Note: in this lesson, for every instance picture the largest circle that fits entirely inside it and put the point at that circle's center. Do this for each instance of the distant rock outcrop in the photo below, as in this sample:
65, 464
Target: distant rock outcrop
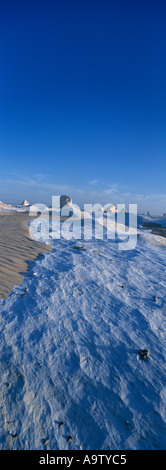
25, 203
5, 205
14, 207
65, 200
110, 208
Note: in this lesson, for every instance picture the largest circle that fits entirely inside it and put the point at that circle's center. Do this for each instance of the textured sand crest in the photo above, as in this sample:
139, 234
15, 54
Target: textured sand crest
16, 249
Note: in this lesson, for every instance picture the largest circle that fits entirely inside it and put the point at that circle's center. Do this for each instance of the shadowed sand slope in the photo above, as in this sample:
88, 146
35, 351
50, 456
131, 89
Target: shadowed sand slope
16, 249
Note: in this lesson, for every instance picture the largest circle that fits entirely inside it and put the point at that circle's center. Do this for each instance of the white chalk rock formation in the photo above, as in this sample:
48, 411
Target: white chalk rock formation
25, 203
64, 200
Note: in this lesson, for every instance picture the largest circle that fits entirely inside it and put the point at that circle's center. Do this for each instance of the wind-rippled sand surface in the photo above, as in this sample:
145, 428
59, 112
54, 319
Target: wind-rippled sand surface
16, 249
69, 341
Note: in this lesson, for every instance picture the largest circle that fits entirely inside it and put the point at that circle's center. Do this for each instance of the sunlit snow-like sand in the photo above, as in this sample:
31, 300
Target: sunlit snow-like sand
70, 336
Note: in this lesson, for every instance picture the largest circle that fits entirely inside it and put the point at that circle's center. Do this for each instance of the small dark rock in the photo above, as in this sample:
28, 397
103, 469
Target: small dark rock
61, 424
14, 436
45, 442
144, 354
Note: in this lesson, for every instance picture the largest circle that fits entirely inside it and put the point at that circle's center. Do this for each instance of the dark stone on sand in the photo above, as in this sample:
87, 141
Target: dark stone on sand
144, 354
79, 248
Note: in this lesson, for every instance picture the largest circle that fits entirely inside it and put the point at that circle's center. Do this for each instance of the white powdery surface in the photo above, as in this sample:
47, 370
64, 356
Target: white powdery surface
69, 350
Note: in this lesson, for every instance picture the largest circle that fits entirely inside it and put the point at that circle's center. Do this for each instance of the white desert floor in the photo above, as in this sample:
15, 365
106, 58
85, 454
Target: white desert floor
69, 341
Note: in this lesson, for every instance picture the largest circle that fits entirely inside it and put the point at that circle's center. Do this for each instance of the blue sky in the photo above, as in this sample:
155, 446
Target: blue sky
83, 101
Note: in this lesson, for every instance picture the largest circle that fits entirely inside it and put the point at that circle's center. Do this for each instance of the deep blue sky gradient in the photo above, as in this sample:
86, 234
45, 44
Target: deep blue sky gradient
83, 101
